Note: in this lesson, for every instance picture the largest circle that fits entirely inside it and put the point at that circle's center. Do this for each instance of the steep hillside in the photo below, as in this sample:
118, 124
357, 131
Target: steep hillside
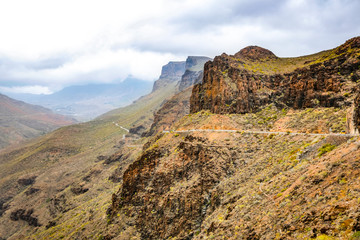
60, 185
170, 73
253, 163
20, 121
179, 105
266, 153
193, 74
214, 184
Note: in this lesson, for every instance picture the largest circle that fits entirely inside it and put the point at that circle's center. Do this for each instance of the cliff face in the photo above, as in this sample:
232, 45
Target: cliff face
254, 77
179, 105
172, 110
170, 73
244, 185
193, 74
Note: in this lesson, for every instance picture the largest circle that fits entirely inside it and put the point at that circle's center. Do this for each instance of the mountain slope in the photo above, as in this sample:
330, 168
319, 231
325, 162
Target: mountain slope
284, 171
179, 105
20, 121
255, 76
61, 184
248, 162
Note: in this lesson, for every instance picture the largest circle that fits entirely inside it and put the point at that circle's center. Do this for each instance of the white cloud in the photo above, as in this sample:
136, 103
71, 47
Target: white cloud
27, 89
63, 42
103, 66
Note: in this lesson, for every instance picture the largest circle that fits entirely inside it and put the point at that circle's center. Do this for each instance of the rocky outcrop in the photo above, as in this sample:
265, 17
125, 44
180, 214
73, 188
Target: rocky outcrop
172, 110
171, 72
179, 105
242, 83
353, 116
138, 130
25, 181
193, 74
159, 201
255, 53
25, 215
213, 185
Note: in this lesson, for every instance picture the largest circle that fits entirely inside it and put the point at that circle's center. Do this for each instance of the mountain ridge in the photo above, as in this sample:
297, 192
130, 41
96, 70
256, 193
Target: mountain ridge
231, 85
192, 184
187, 181
85, 102
21, 121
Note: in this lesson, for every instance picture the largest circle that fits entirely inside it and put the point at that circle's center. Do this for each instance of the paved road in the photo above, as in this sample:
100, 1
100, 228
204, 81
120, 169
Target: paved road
264, 132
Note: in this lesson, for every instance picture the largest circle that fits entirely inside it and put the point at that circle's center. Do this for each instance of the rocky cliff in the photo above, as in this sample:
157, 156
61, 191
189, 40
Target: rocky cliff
249, 183
278, 171
193, 74
219, 185
179, 105
170, 73
253, 77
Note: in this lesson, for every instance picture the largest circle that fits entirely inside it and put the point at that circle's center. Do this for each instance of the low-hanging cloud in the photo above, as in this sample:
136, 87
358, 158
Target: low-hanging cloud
47, 45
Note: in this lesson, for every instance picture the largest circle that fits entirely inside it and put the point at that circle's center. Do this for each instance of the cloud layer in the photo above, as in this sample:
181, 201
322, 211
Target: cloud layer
47, 45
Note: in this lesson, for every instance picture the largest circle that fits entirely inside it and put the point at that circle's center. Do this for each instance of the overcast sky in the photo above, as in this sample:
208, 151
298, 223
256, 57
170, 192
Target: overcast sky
46, 45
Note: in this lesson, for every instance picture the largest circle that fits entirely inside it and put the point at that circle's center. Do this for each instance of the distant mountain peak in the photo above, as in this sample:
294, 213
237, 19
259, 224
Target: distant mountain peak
20, 121
170, 73
192, 61
173, 70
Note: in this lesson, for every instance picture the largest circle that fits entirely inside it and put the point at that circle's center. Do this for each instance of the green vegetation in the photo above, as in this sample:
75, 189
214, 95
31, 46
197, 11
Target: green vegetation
76, 148
324, 237
355, 236
280, 65
325, 148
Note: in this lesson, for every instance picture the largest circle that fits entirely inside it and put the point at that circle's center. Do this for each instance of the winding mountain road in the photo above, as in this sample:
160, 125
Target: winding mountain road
263, 132
116, 124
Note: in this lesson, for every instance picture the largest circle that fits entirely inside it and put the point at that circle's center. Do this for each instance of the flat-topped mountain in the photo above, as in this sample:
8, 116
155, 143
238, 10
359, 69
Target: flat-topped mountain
170, 73
179, 105
20, 121
193, 73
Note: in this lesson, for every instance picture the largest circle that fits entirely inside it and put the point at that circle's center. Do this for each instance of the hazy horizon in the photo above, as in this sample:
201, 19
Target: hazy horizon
46, 46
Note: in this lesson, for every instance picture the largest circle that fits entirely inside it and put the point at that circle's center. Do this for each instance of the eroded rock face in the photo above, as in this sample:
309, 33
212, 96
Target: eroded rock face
171, 72
356, 114
193, 74
25, 215
231, 86
201, 185
179, 105
151, 196
173, 110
